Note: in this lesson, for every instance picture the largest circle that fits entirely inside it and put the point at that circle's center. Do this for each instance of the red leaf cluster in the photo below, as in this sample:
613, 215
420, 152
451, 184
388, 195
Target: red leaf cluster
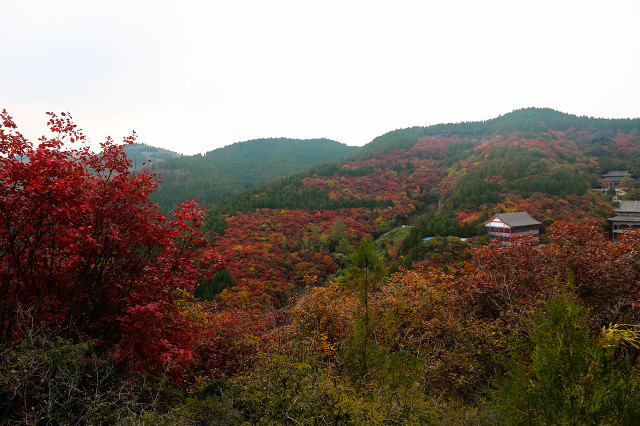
84, 250
517, 276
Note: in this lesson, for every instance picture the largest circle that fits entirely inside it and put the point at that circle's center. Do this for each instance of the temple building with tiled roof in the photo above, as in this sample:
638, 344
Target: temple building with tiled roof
628, 218
504, 226
614, 177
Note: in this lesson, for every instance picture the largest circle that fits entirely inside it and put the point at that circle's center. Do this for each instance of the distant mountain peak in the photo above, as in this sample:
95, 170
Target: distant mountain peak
140, 153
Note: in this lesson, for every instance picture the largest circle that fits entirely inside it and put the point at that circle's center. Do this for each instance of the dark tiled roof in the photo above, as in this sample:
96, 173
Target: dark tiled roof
617, 173
625, 219
629, 207
518, 219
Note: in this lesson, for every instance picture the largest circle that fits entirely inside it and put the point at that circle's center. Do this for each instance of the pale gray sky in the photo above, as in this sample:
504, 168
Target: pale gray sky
192, 76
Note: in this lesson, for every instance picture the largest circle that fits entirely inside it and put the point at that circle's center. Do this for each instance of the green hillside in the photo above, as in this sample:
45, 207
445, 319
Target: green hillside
528, 120
445, 179
524, 167
144, 155
220, 173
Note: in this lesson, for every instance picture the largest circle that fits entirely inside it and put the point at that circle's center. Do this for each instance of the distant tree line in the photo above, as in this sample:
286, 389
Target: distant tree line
215, 176
531, 121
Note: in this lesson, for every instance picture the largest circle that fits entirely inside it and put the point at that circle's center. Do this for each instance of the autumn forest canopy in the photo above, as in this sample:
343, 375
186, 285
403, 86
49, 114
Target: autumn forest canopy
316, 283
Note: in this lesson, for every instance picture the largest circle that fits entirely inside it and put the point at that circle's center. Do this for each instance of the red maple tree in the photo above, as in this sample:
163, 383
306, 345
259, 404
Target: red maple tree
84, 252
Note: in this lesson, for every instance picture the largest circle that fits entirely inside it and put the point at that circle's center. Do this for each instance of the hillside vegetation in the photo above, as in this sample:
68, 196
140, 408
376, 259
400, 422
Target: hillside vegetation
142, 155
446, 179
218, 174
110, 313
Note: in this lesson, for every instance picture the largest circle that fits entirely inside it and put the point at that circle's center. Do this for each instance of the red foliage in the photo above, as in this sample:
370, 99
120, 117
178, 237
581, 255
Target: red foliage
519, 275
84, 250
271, 252
432, 147
384, 183
626, 143
587, 209
234, 337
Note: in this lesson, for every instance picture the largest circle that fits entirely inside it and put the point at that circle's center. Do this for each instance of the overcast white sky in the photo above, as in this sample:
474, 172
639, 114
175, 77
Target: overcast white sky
192, 76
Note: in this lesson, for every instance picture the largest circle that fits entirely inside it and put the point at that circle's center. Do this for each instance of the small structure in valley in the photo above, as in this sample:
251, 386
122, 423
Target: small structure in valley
504, 226
628, 218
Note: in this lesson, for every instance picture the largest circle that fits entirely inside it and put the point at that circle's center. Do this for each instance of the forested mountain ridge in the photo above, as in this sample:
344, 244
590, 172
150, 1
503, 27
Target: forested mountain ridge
447, 179
218, 174
143, 155
529, 120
